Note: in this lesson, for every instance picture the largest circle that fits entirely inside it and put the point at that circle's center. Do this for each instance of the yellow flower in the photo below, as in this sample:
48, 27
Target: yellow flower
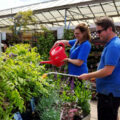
44, 76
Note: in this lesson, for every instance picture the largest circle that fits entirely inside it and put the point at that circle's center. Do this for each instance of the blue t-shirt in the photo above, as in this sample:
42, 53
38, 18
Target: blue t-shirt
110, 56
80, 51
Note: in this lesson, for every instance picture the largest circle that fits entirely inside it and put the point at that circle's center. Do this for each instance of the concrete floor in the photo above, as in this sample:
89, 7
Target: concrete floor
93, 105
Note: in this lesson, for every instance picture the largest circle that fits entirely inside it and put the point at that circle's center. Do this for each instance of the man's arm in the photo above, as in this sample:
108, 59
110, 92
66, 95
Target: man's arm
106, 71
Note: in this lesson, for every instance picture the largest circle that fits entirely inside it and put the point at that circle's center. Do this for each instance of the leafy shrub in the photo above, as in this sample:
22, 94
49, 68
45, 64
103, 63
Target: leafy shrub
45, 42
20, 79
68, 34
81, 95
49, 106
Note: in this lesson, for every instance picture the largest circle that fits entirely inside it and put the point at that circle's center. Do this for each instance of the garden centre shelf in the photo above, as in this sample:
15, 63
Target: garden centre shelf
94, 56
93, 61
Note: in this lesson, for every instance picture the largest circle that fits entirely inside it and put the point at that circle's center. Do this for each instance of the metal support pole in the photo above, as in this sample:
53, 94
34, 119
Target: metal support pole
65, 17
69, 25
0, 44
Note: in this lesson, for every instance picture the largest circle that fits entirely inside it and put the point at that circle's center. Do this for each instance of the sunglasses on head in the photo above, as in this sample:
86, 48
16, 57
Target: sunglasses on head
99, 31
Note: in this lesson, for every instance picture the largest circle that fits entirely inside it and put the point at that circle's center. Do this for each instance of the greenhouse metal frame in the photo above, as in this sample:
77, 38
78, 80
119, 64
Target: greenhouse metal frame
65, 13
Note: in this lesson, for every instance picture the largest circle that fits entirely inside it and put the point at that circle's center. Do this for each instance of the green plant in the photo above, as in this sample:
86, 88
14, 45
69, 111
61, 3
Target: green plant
81, 95
68, 34
45, 42
21, 20
20, 79
49, 106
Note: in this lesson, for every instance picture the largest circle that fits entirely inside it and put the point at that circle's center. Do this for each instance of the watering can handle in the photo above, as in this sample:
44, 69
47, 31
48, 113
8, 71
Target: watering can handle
58, 44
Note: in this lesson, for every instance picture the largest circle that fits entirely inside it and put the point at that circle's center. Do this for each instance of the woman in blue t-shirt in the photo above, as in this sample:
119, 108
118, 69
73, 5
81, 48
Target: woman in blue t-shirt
80, 49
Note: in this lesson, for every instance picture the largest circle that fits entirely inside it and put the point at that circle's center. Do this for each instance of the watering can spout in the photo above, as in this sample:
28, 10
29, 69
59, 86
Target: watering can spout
44, 62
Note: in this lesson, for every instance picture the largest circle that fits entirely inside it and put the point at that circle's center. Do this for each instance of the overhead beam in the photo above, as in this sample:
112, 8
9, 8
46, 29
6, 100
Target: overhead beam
52, 22
71, 5
60, 7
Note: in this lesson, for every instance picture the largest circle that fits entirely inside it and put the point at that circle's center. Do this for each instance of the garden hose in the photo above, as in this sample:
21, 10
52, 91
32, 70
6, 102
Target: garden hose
57, 73
68, 75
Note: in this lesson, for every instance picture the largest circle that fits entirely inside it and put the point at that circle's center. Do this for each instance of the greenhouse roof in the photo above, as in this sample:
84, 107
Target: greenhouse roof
64, 12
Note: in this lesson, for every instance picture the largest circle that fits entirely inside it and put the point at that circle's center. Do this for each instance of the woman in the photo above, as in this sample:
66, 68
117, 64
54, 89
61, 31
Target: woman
80, 49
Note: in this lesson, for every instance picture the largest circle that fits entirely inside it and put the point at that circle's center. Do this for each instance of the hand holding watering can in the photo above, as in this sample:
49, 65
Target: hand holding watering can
57, 55
65, 43
61, 43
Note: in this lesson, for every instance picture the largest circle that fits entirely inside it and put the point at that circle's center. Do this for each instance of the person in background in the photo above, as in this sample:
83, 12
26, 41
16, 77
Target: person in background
80, 49
108, 72
4, 47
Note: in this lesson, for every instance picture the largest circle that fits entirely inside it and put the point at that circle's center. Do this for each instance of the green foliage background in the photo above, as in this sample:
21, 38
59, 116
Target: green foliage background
21, 21
68, 34
46, 40
20, 79
49, 106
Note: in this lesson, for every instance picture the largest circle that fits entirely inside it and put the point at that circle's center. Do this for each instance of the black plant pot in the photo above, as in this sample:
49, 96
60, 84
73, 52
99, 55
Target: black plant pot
29, 115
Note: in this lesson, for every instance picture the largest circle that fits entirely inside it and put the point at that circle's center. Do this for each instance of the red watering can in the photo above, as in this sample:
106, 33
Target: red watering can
57, 55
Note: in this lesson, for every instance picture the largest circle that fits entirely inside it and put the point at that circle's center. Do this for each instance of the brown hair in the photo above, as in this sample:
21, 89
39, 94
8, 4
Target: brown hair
84, 29
105, 22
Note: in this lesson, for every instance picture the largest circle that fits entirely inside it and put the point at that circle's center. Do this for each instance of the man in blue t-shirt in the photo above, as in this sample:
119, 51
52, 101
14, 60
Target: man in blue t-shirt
108, 72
